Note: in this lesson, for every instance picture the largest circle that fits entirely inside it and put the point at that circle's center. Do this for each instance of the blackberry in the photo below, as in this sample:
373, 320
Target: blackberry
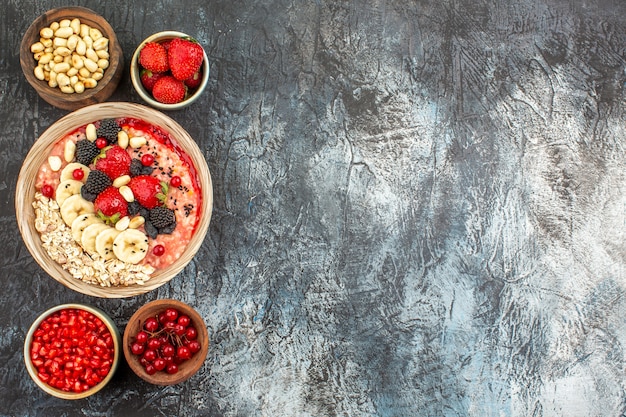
87, 195
137, 168
96, 182
108, 129
168, 229
133, 208
162, 217
150, 229
86, 151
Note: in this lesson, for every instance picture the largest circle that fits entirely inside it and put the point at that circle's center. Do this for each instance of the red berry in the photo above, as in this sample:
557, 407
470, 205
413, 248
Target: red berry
168, 350
137, 348
179, 329
47, 190
101, 143
171, 314
154, 343
194, 346
172, 368
169, 90
142, 337
162, 318
183, 352
150, 369
78, 174
151, 325
176, 181
148, 78
147, 190
191, 333
159, 364
185, 57
158, 250
195, 80
150, 355
184, 320
153, 56
147, 159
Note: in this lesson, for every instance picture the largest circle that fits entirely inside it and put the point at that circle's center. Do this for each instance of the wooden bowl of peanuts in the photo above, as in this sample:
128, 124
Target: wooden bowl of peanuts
71, 57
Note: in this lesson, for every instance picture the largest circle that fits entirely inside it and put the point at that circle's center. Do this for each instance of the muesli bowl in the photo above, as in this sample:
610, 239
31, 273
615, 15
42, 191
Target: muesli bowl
135, 259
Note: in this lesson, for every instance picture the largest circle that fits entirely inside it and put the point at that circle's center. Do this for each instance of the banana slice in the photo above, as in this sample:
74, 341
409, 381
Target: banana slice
74, 206
67, 189
131, 246
80, 224
68, 171
91, 232
104, 243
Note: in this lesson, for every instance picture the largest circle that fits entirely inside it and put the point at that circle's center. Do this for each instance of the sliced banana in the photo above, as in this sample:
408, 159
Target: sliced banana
81, 222
131, 246
104, 243
91, 232
67, 189
68, 171
74, 206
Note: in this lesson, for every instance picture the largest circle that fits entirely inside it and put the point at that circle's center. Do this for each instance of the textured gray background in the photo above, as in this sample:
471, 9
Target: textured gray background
420, 210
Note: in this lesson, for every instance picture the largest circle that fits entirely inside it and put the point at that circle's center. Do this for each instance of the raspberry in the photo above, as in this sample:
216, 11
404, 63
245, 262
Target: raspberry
97, 181
86, 151
108, 129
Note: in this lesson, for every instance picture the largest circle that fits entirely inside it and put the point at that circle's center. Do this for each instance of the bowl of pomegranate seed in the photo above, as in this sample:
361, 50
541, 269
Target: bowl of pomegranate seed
169, 70
71, 351
165, 342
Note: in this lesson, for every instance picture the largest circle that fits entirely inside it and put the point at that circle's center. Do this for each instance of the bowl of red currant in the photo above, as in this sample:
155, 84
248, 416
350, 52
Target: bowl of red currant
165, 342
71, 351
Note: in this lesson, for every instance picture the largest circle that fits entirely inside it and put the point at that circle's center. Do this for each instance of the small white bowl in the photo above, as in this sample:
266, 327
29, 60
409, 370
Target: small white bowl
135, 71
32, 370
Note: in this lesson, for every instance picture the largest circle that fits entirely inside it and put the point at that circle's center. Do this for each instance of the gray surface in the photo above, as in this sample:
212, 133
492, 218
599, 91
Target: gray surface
420, 209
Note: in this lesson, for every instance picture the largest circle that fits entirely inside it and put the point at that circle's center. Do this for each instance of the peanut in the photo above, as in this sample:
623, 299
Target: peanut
90, 132
70, 55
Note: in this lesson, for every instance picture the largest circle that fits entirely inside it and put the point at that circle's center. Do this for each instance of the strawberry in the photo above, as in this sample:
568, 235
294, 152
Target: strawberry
148, 190
185, 57
110, 205
113, 161
153, 56
169, 90
195, 80
149, 78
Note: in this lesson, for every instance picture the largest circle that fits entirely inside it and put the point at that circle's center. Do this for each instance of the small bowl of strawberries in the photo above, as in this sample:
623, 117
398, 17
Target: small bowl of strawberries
169, 70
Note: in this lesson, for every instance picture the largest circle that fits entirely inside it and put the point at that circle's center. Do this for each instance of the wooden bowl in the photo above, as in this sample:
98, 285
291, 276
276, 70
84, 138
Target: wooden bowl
25, 192
187, 368
135, 71
32, 369
54, 96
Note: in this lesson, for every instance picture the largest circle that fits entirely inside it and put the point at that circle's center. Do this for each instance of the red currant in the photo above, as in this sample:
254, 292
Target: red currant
78, 174
147, 159
183, 352
172, 368
179, 329
47, 190
159, 364
158, 250
176, 181
137, 348
162, 317
142, 337
168, 350
150, 355
184, 320
171, 314
151, 325
150, 369
101, 143
194, 346
154, 343
191, 333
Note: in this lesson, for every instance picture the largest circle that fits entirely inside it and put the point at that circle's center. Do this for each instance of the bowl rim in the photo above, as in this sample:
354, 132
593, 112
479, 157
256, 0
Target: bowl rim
145, 95
26, 188
199, 357
116, 355
106, 86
